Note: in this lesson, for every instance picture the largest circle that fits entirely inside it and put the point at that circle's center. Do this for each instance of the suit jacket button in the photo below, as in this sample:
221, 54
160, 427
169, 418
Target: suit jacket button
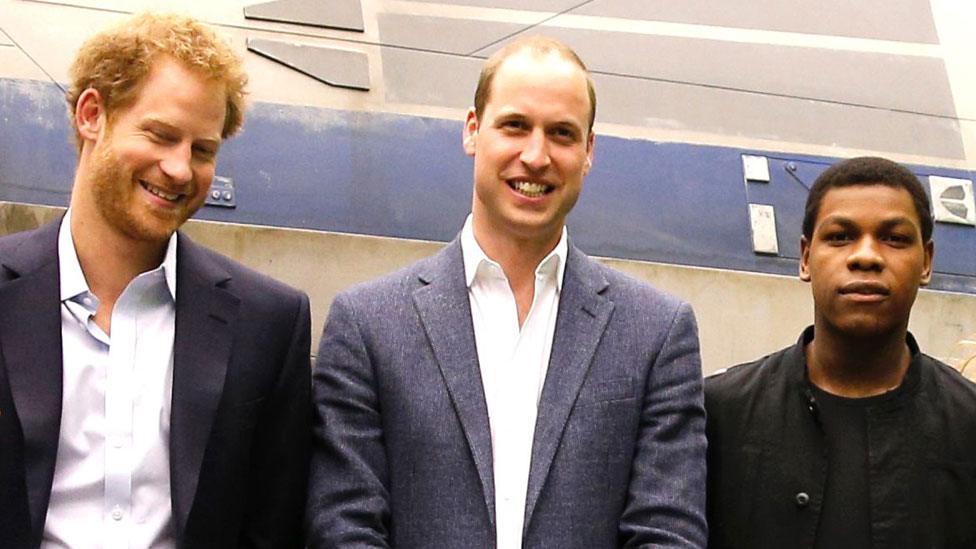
802, 499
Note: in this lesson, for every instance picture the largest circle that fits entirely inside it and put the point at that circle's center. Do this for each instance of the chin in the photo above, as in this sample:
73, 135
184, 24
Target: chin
866, 327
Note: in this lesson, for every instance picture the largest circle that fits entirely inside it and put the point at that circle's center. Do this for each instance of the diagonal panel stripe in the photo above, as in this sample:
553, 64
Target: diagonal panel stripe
335, 67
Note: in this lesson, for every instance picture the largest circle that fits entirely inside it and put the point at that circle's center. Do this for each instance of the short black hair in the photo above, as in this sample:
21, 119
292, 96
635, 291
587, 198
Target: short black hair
868, 170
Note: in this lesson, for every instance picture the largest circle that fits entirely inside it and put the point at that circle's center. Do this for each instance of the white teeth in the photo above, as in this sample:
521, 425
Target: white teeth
530, 189
159, 192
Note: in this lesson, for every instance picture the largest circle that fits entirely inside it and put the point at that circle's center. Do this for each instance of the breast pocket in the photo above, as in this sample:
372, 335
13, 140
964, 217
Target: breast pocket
606, 391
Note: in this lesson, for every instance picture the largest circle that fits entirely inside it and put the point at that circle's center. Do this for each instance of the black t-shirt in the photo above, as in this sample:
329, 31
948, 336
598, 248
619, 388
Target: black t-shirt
845, 520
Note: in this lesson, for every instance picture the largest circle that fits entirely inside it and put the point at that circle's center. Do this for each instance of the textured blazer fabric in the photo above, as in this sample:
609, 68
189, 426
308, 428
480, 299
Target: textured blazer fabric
402, 453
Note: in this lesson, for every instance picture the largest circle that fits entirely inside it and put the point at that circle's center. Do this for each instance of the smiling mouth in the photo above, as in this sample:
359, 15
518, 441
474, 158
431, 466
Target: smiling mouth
530, 189
169, 197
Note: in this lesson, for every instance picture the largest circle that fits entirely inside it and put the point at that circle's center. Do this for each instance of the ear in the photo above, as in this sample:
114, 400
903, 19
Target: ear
927, 266
470, 132
90, 116
590, 142
804, 259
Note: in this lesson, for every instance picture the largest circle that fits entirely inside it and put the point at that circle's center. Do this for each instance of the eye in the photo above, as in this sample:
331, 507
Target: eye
161, 136
565, 133
899, 240
204, 152
838, 237
513, 124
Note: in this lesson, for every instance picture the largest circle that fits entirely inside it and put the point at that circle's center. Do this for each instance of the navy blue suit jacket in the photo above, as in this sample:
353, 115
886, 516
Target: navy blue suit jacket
240, 415
402, 453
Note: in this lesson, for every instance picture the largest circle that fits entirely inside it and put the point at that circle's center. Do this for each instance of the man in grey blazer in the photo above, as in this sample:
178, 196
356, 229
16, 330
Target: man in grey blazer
509, 391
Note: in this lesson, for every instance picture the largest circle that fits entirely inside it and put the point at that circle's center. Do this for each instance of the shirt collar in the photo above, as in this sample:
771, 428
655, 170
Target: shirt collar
475, 258
73, 282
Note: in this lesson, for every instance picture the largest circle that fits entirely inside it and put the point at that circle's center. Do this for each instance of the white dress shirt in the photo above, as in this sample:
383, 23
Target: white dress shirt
111, 484
513, 366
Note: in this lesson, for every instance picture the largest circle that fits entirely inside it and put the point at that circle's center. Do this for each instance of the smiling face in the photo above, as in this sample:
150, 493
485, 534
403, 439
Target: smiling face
147, 167
531, 149
866, 260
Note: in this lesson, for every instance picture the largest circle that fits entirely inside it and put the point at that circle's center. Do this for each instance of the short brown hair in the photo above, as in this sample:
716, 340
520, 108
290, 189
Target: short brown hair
868, 170
538, 45
116, 61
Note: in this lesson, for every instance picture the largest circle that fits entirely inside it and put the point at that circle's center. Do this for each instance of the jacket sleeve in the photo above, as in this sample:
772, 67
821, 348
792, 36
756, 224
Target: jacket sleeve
666, 497
348, 501
279, 465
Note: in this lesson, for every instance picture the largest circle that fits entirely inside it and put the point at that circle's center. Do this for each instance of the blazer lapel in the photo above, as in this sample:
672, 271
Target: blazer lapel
445, 313
580, 322
30, 342
206, 313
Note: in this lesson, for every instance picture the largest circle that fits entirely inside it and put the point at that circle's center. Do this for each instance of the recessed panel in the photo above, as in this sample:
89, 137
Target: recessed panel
811, 73
432, 79
441, 34
336, 67
333, 14
534, 5
680, 107
904, 21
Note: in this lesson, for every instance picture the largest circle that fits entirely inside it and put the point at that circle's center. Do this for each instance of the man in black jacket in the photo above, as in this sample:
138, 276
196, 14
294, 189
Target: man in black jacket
851, 437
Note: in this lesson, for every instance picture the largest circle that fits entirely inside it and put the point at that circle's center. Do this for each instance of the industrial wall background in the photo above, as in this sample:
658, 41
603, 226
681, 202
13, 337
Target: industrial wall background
713, 120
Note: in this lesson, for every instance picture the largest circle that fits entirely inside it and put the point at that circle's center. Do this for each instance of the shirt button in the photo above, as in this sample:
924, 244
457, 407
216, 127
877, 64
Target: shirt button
117, 513
802, 499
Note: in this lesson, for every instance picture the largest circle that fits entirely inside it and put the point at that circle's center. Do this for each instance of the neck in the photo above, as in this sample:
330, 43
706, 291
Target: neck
519, 258
857, 367
109, 259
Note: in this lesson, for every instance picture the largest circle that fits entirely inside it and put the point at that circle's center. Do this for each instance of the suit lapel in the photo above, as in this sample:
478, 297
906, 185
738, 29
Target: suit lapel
205, 316
445, 312
580, 322
30, 342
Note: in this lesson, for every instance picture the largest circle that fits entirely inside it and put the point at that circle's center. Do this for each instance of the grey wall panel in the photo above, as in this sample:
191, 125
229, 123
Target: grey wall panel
458, 36
433, 79
521, 5
335, 14
333, 66
441, 80
637, 102
832, 75
900, 20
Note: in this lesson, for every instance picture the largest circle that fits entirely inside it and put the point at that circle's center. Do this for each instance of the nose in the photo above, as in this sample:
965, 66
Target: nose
535, 153
866, 256
176, 164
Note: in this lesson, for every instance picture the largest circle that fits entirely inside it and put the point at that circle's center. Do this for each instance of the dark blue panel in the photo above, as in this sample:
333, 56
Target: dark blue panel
37, 155
404, 176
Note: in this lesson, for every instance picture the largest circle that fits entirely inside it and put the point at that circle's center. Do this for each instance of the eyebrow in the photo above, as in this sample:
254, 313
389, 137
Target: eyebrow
519, 115
849, 223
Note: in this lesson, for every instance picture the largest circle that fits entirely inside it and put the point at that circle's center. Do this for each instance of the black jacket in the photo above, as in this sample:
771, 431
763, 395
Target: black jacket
767, 463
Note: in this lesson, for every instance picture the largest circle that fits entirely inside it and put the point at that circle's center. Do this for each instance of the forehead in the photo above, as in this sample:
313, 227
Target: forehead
171, 89
867, 204
529, 71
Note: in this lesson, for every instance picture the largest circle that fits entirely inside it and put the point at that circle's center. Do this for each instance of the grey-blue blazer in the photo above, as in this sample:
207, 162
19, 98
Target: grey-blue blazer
402, 447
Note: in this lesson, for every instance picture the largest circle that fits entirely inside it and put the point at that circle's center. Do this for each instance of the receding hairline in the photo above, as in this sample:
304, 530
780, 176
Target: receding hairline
538, 47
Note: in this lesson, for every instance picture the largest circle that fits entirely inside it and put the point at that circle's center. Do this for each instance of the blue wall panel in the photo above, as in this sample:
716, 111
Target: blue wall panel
404, 176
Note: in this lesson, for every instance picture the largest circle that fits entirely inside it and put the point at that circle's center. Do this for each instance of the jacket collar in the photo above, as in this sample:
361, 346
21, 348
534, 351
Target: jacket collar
206, 317
445, 312
30, 336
